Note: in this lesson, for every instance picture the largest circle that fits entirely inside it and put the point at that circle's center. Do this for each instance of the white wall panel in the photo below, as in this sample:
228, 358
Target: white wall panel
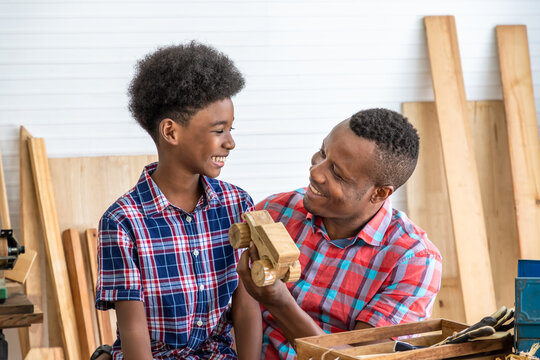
65, 66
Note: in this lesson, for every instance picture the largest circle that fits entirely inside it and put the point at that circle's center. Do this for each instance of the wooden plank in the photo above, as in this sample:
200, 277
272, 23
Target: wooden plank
55, 353
427, 199
79, 288
22, 267
54, 249
93, 184
5, 220
488, 123
106, 334
20, 320
460, 168
32, 239
517, 87
16, 302
429, 206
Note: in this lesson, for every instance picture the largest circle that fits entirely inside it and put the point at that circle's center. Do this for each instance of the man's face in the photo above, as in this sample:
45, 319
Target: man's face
206, 140
340, 187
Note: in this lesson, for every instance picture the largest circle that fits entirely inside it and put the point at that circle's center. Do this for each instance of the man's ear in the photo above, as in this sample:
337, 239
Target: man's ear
169, 131
381, 193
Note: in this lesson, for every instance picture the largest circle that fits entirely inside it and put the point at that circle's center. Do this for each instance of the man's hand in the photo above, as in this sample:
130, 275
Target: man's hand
291, 319
270, 296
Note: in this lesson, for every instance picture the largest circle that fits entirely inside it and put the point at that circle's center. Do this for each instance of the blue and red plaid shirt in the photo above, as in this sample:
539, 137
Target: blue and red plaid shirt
388, 274
179, 264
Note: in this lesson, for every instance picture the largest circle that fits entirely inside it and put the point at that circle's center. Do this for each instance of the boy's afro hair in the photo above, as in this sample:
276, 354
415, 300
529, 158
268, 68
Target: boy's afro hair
176, 81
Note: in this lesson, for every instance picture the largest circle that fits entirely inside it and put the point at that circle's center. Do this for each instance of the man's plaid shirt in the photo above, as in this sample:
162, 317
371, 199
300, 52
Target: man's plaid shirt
181, 265
388, 274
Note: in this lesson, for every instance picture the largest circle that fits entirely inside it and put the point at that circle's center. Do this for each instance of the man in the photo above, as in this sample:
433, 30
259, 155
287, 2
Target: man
363, 263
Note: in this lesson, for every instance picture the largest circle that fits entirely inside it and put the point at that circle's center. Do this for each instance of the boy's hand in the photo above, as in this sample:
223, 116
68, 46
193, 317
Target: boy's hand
271, 295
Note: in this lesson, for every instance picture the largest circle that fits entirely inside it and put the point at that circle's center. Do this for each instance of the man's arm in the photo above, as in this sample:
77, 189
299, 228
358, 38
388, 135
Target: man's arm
133, 330
292, 320
247, 324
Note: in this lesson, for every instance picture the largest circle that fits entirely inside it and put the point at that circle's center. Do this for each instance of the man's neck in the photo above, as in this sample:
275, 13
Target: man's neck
348, 228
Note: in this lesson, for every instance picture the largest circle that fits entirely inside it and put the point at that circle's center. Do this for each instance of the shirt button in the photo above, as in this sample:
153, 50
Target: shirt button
196, 252
199, 323
201, 287
188, 219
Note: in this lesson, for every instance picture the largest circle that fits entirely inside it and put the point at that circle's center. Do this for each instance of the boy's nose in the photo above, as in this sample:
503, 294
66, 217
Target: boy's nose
229, 143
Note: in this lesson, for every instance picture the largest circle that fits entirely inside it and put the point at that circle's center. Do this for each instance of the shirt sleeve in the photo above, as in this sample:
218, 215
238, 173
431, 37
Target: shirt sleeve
118, 274
408, 294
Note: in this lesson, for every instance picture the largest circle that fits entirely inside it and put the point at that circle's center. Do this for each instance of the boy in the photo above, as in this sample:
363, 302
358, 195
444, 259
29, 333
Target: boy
165, 263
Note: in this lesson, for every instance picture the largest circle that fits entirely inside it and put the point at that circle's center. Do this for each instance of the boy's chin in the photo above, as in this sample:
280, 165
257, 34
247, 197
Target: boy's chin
212, 174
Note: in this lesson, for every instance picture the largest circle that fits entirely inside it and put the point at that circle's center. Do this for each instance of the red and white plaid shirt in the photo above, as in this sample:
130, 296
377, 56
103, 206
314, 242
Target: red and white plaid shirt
181, 265
388, 274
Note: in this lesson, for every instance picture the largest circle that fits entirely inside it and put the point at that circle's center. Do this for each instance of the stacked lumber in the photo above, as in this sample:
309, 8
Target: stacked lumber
60, 200
476, 187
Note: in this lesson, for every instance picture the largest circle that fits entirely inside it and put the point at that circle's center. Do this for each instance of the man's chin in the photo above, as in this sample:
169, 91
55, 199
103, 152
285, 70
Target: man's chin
309, 206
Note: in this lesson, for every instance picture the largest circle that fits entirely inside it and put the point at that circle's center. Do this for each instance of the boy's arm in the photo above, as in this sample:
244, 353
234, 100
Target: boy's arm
292, 320
133, 329
247, 324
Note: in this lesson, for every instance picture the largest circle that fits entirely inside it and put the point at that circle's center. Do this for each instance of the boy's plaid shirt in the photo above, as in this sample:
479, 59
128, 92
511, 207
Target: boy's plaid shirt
388, 274
181, 265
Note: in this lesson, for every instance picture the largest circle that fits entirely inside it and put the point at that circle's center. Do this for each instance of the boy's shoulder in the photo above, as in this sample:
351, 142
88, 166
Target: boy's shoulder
129, 203
225, 190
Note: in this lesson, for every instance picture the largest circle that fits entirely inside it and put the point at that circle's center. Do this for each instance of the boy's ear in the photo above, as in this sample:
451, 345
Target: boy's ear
168, 131
381, 193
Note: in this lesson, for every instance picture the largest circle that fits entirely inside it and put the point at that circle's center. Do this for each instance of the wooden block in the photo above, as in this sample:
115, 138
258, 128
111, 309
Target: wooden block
32, 239
16, 302
79, 288
54, 353
517, 88
282, 249
106, 334
54, 248
22, 267
460, 168
427, 200
20, 320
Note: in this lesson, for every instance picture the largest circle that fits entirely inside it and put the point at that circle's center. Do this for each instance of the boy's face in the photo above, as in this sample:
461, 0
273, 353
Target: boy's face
206, 140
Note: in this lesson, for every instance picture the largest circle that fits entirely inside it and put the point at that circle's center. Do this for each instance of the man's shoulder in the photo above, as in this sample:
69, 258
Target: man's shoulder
409, 236
285, 205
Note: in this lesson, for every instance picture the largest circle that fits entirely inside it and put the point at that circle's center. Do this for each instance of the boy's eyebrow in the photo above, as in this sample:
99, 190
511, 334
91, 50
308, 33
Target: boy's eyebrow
221, 122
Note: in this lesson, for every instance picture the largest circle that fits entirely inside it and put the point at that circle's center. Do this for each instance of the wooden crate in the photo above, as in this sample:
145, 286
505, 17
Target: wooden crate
353, 345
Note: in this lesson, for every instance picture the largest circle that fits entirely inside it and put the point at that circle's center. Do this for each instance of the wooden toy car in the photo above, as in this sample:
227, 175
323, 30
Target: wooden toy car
277, 251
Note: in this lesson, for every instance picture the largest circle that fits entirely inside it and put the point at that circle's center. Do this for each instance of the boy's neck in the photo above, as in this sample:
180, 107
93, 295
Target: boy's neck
182, 189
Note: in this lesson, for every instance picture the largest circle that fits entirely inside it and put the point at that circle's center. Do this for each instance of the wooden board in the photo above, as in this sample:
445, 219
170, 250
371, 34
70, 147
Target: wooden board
427, 200
16, 302
80, 290
92, 185
32, 239
55, 353
460, 168
523, 139
106, 335
5, 220
54, 249
22, 266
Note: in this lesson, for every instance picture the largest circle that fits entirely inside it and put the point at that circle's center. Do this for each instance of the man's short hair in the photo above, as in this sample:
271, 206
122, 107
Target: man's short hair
397, 144
177, 81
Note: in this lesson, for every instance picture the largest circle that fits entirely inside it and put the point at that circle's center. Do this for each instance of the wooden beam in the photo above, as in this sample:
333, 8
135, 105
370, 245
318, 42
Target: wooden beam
55, 353
460, 168
32, 239
54, 249
517, 88
79, 288
106, 334
5, 220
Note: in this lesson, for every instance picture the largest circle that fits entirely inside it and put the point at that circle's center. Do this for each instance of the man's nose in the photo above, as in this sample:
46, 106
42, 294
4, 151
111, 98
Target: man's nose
317, 171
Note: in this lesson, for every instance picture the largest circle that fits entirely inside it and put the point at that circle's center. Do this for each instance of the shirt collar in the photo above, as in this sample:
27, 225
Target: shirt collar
153, 201
372, 233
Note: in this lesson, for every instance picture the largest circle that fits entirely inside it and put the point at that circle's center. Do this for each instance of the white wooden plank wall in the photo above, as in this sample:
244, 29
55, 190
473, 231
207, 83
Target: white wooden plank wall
65, 66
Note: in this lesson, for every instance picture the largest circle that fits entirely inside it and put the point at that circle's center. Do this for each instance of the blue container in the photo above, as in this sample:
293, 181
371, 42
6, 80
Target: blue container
527, 315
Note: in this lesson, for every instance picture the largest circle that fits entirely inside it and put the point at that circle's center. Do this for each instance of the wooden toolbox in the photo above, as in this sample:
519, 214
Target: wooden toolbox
353, 345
